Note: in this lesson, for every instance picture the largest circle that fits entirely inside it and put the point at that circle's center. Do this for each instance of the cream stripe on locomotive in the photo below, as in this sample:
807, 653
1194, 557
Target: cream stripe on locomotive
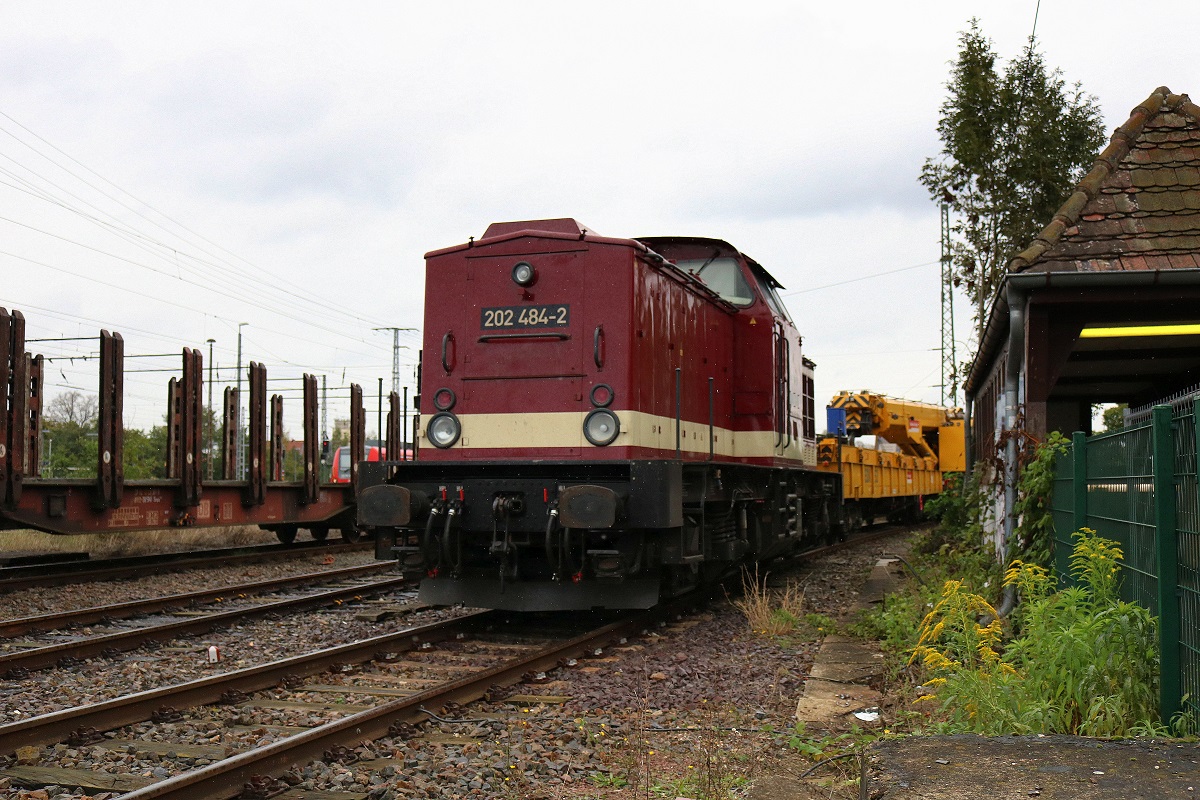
638, 429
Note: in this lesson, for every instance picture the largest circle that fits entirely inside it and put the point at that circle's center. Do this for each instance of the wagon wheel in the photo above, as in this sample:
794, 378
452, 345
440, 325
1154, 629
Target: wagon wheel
319, 534
286, 534
351, 533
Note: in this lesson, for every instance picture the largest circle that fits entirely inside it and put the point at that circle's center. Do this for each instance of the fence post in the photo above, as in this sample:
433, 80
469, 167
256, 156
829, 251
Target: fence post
1167, 551
1078, 482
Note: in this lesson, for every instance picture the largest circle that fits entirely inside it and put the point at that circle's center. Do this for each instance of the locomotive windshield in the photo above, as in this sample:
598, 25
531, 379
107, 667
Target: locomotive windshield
722, 275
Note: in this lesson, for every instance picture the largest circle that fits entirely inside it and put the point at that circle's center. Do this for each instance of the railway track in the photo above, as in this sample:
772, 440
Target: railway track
89, 644
26, 576
153, 605
376, 688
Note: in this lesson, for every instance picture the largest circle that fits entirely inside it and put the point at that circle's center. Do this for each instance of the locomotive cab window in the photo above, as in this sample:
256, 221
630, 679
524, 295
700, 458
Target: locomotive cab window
722, 275
773, 298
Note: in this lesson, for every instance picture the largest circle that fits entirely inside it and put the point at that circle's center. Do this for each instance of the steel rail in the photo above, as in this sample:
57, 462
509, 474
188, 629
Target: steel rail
59, 573
87, 616
41, 657
226, 778
56, 726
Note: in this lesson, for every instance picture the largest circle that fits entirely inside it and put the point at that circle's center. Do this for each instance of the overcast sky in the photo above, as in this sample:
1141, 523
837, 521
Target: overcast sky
169, 170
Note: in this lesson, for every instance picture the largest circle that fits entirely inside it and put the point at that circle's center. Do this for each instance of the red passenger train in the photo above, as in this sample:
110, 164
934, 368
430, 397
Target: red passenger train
605, 421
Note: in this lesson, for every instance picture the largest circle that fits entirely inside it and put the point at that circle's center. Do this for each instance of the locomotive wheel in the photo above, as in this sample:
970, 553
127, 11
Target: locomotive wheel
286, 534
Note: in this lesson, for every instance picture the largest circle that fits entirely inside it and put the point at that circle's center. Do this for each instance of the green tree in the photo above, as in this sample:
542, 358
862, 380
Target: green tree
146, 453
1014, 145
69, 436
1114, 417
68, 449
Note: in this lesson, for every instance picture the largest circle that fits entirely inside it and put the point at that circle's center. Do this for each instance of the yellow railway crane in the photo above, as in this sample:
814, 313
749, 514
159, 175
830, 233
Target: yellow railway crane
892, 454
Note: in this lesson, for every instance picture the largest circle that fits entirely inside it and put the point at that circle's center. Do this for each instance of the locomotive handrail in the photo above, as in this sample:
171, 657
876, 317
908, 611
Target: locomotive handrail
787, 386
492, 337
597, 337
778, 353
449, 337
678, 411
710, 418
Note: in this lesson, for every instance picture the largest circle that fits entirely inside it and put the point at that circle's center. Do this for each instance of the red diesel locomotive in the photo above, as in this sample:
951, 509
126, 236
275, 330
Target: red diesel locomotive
613, 420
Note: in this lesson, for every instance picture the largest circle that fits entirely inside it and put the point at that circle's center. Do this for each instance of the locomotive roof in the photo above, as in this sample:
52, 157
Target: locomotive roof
568, 228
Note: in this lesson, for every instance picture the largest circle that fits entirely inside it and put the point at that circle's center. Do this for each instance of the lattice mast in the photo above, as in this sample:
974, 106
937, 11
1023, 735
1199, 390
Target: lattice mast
949, 357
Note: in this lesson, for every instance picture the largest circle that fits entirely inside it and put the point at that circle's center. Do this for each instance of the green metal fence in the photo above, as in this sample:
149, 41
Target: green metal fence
1139, 487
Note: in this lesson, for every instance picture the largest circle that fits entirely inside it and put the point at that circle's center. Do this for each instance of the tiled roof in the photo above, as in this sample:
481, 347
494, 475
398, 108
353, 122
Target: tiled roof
1139, 207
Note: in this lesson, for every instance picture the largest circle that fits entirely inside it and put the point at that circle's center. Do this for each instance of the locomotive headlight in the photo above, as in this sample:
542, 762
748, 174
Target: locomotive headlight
443, 430
601, 427
523, 273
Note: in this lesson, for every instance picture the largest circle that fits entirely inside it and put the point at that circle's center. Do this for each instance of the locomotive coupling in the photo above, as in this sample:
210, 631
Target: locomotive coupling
508, 505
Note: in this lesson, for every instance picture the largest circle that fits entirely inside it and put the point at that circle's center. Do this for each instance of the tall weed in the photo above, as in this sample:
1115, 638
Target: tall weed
1084, 662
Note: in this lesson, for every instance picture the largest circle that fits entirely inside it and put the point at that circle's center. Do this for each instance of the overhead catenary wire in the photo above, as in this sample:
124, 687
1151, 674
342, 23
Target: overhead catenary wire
229, 269
861, 278
199, 285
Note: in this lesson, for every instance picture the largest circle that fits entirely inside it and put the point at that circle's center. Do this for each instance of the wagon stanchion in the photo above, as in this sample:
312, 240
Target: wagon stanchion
191, 439
33, 431
393, 441
311, 442
276, 437
110, 474
17, 457
18, 422
358, 425
256, 481
229, 433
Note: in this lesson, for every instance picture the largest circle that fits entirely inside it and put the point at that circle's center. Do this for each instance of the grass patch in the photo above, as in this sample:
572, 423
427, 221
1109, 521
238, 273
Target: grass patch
115, 544
770, 612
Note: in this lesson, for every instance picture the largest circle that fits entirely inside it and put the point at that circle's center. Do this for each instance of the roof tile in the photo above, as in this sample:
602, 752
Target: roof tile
1143, 177
1172, 201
